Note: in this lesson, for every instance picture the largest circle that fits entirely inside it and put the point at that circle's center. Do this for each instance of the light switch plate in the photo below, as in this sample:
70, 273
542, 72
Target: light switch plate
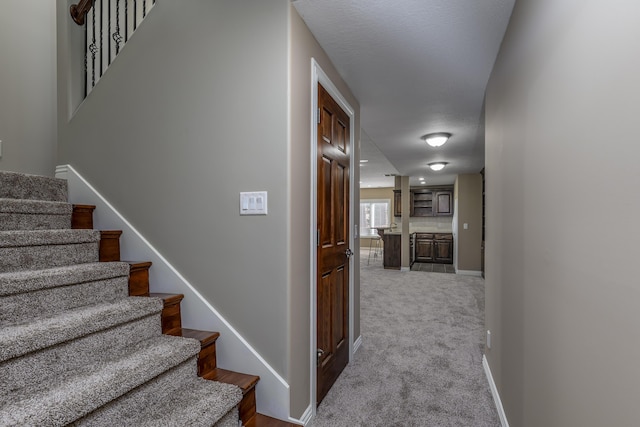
253, 203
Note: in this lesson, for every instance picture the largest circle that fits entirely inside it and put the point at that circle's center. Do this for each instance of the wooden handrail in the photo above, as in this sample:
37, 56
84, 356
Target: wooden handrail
80, 10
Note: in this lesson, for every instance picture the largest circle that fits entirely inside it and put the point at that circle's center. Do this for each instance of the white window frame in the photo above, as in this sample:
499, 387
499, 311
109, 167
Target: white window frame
370, 201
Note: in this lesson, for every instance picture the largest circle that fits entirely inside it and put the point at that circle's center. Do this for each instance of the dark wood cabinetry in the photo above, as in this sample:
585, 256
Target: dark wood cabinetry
443, 203
434, 247
422, 203
426, 202
443, 248
397, 202
424, 247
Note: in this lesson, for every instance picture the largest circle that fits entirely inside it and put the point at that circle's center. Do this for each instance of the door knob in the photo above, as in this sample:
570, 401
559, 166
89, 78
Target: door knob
320, 352
348, 253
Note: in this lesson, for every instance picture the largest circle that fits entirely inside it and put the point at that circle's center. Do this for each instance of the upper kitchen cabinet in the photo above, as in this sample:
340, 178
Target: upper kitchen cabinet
397, 202
432, 202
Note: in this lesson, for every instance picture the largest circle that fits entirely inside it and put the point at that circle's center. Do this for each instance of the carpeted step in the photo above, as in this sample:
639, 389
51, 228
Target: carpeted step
23, 186
38, 369
176, 398
70, 398
42, 333
27, 295
18, 214
40, 249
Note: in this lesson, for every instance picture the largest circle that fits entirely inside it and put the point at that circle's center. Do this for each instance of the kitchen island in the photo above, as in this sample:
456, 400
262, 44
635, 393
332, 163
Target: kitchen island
392, 244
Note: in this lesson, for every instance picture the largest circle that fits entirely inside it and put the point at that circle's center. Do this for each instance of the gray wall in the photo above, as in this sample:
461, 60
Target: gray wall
562, 200
28, 86
304, 47
194, 110
468, 195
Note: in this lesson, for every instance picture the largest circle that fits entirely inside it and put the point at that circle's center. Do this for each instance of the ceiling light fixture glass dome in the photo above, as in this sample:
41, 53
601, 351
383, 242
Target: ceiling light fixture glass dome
437, 166
437, 139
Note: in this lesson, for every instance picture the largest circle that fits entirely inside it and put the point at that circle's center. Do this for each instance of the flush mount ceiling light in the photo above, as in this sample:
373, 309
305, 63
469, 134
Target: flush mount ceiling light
436, 166
436, 139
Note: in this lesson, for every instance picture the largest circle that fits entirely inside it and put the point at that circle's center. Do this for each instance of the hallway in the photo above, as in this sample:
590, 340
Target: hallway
420, 362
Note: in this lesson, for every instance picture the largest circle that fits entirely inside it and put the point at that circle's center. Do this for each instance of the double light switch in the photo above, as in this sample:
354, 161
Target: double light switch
253, 203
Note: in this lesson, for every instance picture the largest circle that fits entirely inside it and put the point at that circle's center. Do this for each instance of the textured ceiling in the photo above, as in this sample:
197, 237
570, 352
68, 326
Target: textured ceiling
416, 66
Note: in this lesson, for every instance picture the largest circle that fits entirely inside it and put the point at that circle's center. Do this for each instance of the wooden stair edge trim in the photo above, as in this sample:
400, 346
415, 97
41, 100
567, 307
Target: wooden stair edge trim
206, 338
169, 299
246, 382
139, 265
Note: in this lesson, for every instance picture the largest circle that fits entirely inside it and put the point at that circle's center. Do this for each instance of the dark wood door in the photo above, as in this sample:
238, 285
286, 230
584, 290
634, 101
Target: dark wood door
333, 242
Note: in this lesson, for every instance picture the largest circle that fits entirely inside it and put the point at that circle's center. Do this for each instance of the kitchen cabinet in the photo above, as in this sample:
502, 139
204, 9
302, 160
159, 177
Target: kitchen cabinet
392, 244
421, 203
397, 202
443, 248
434, 247
426, 202
431, 202
444, 203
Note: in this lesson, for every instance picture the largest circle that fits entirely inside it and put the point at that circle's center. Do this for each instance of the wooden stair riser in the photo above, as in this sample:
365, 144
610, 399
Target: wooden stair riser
171, 317
139, 279
172, 323
82, 217
110, 245
247, 407
207, 356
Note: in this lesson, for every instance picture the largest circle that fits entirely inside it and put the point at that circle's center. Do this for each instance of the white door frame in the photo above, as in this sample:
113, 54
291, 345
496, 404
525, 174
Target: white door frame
319, 76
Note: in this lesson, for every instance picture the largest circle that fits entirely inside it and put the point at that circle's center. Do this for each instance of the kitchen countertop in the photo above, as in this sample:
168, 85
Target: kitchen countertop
420, 230
433, 230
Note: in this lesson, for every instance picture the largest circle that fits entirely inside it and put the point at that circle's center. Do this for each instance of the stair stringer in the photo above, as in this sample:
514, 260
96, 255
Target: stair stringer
233, 352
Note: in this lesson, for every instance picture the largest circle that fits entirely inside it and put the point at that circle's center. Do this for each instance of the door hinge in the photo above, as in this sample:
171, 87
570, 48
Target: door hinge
318, 115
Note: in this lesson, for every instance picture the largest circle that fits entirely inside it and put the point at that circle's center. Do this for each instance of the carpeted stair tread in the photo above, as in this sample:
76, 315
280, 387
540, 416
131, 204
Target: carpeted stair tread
41, 333
20, 238
39, 369
176, 398
35, 207
15, 185
42, 293
31, 280
39, 249
74, 397
18, 214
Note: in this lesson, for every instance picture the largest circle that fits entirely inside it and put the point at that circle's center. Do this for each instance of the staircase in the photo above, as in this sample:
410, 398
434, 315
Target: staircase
82, 339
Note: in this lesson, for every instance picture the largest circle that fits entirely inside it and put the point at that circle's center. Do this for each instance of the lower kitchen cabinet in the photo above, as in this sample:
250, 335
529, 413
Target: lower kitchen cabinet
434, 247
443, 248
424, 247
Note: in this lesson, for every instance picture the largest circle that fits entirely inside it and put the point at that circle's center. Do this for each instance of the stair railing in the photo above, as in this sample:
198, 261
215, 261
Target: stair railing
108, 26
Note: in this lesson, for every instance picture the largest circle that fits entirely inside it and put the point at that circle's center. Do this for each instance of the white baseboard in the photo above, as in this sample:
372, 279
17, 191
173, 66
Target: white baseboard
357, 344
474, 273
494, 392
233, 352
305, 419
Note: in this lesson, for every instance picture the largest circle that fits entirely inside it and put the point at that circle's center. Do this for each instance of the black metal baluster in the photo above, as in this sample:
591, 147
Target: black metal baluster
93, 48
126, 21
86, 48
109, 32
135, 14
117, 38
101, 42
144, 8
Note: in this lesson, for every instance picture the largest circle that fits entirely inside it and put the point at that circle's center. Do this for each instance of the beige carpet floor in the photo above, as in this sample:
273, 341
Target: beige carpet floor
420, 362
